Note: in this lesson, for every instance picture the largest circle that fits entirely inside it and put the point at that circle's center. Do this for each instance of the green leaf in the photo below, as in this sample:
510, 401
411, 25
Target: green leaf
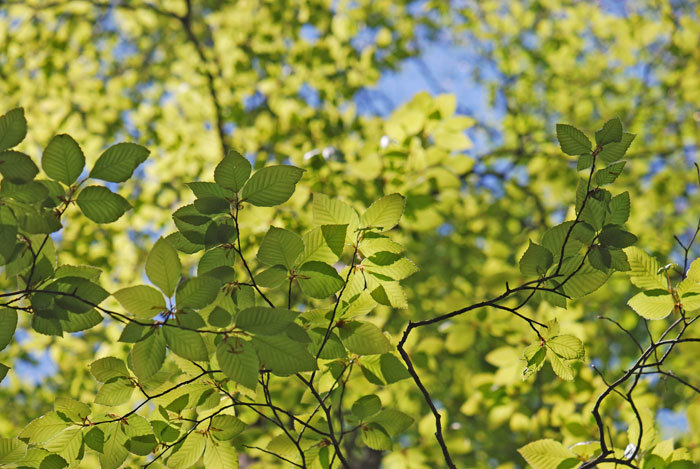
220, 456
586, 280
8, 324
53, 461
3, 371
101, 205
572, 141
272, 277
619, 209
366, 406
189, 453
267, 321
17, 167
282, 355
374, 436
12, 450
280, 247
652, 306
118, 162
185, 343
115, 391
616, 237
611, 132
147, 356
545, 454
107, 368
75, 411
214, 258
600, 258
554, 238
387, 264
142, 301
197, 292
212, 205
63, 160
319, 280
224, 427
534, 355
585, 161
141, 445
609, 173
616, 151
13, 128
163, 267
535, 261
393, 421
238, 361
271, 186
324, 244
233, 171
644, 270
327, 211
385, 213
44, 428
364, 338
566, 346
649, 434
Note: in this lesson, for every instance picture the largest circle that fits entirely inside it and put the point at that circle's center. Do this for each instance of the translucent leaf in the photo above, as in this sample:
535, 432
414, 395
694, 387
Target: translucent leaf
220, 456
142, 301
44, 428
282, 355
652, 306
572, 141
393, 421
72, 409
118, 162
649, 435
189, 453
233, 171
560, 366
644, 270
385, 213
366, 406
107, 368
546, 454
13, 128
238, 361
115, 391
280, 246
63, 159
324, 244
163, 267
185, 343
327, 211
374, 436
271, 186
12, 450
319, 280
363, 338
197, 292
224, 427
535, 261
147, 356
263, 320
567, 346
101, 205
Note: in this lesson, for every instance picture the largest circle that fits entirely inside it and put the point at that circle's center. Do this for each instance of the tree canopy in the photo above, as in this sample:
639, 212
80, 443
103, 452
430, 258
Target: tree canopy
223, 244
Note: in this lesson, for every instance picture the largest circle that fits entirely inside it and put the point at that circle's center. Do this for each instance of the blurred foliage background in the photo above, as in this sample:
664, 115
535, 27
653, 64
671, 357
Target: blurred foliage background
451, 103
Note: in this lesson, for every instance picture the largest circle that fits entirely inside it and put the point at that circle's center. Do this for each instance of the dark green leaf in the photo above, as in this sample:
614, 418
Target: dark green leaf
611, 132
608, 174
616, 151
63, 160
267, 321
599, 258
616, 237
197, 292
282, 355
17, 167
572, 141
319, 280
233, 171
13, 128
101, 205
118, 162
535, 261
